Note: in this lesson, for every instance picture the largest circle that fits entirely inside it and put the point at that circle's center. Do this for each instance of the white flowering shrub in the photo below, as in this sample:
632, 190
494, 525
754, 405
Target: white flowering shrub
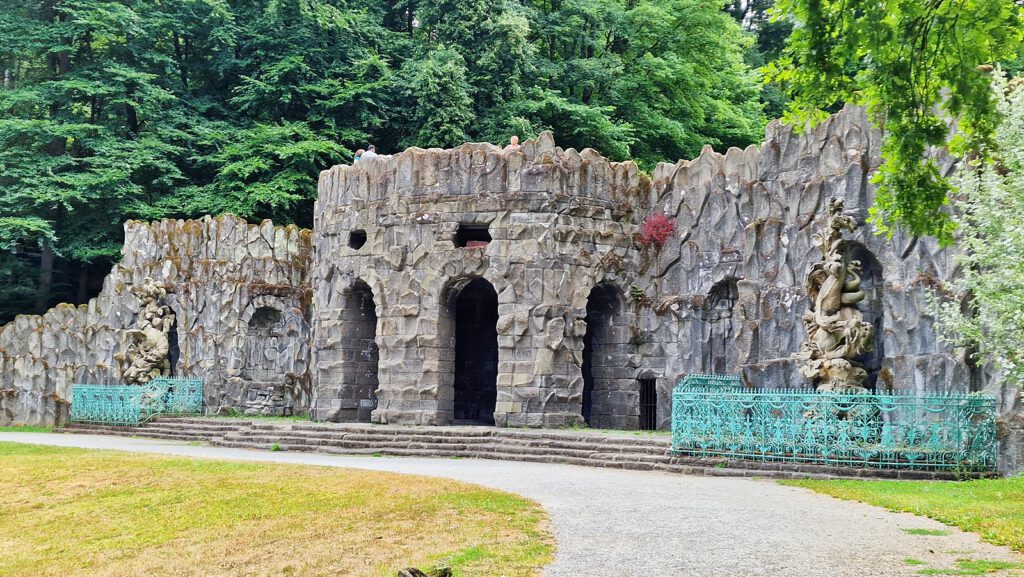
984, 306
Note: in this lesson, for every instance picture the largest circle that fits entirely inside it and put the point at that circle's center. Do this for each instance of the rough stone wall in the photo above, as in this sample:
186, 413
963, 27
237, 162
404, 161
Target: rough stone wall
219, 272
561, 222
360, 319
724, 294
748, 216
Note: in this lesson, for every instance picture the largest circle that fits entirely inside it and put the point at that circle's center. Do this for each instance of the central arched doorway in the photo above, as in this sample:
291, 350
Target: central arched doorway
475, 311
601, 404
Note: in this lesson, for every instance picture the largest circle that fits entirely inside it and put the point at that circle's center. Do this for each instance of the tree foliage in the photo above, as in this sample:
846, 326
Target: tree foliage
119, 109
915, 64
981, 308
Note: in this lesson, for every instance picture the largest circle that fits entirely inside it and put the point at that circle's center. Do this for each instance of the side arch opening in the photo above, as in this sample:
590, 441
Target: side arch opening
360, 353
872, 282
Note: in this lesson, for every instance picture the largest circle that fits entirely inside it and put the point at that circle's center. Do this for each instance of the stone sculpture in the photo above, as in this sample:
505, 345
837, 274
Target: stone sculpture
145, 356
836, 331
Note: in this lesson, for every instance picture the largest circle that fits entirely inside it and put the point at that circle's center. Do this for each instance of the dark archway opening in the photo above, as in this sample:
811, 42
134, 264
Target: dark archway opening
602, 307
476, 353
648, 404
872, 282
361, 354
717, 314
173, 347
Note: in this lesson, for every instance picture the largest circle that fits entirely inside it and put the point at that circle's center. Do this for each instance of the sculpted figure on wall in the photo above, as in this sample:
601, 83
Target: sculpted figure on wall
145, 356
836, 331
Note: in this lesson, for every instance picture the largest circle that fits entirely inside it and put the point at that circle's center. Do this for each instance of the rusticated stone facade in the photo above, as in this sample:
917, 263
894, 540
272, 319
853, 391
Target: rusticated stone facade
484, 285
584, 313
219, 273
523, 235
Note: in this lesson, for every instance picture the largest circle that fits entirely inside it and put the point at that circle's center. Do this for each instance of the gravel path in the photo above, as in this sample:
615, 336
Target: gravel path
617, 523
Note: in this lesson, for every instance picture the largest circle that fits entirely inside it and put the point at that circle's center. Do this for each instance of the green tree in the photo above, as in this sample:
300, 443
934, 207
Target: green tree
914, 64
981, 307
87, 132
668, 75
770, 35
440, 108
119, 109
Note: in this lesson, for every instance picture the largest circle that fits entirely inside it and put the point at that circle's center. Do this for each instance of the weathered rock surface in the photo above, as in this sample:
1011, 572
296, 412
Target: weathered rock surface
568, 315
218, 272
723, 295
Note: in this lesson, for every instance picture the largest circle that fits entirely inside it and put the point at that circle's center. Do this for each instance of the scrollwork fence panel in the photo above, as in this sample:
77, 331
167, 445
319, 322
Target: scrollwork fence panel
133, 405
884, 430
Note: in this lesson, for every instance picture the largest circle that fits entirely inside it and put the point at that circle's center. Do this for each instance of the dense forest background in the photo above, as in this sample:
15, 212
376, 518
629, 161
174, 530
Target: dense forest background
144, 109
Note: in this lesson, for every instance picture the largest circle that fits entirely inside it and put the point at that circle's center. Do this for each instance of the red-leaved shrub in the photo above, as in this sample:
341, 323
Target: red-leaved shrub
656, 229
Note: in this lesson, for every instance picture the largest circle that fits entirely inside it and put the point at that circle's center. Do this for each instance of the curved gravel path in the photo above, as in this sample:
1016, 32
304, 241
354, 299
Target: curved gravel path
618, 523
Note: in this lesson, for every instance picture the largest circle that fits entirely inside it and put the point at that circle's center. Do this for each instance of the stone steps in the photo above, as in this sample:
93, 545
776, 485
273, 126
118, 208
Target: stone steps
442, 442
481, 452
157, 429
592, 449
448, 446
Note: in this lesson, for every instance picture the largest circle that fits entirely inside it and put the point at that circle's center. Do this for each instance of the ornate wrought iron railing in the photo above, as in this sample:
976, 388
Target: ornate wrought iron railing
133, 405
710, 381
883, 430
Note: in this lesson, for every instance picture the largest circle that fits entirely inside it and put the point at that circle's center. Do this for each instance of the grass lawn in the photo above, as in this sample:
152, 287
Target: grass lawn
993, 508
25, 429
106, 513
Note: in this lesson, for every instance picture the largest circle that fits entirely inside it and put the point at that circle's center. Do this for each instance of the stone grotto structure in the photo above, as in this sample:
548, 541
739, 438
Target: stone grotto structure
518, 288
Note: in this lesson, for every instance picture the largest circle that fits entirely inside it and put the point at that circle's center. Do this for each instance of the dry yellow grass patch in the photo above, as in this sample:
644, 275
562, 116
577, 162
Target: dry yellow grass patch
71, 512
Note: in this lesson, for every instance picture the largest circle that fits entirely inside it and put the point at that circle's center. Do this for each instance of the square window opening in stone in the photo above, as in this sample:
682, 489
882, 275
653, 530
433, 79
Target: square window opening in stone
472, 236
356, 239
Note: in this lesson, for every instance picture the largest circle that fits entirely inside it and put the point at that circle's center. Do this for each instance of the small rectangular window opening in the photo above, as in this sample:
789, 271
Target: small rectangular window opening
472, 236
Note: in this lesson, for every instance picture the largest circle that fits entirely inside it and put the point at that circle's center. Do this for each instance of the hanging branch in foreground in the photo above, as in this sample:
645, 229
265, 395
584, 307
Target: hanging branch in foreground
914, 64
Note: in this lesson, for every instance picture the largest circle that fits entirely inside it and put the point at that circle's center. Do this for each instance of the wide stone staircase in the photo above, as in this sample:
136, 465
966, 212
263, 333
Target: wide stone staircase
623, 450
171, 428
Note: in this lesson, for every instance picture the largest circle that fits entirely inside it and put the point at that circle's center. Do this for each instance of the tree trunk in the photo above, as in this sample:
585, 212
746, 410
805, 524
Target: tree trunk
83, 283
45, 278
179, 55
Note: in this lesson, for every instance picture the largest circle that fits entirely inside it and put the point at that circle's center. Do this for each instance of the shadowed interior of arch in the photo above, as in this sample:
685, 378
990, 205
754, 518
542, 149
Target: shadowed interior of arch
718, 352
602, 306
173, 345
266, 329
476, 353
872, 307
361, 353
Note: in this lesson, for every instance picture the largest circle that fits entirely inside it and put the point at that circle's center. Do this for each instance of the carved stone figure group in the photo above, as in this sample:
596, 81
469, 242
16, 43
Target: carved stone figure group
146, 354
837, 333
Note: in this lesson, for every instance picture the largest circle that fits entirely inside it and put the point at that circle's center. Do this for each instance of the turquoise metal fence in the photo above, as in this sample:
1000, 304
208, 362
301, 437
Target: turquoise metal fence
710, 381
882, 430
132, 405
